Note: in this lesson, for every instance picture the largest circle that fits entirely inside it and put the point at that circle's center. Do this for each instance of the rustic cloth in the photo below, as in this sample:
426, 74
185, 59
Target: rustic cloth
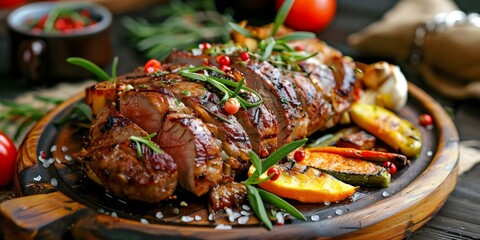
450, 57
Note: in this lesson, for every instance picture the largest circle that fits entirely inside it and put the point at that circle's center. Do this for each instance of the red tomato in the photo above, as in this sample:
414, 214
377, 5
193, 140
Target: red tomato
152, 66
425, 119
8, 154
309, 15
299, 155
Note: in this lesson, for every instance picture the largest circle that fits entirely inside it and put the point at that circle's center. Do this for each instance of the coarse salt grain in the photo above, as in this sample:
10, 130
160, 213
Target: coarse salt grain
429, 153
54, 182
46, 164
243, 219
68, 157
144, 221
339, 211
37, 178
246, 207
223, 227
245, 213
385, 194
64, 148
187, 219
234, 216
210, 217
114, 214
326, 203
315, 218
280, 218
198, 218
229, 211
183, 204
53, 148
159, 215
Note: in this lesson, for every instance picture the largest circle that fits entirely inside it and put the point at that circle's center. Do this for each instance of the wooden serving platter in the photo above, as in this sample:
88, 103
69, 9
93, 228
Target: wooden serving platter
57, 202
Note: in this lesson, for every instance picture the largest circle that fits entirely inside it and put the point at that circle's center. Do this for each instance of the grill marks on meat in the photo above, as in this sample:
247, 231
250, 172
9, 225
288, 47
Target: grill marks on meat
113, 158
278, 94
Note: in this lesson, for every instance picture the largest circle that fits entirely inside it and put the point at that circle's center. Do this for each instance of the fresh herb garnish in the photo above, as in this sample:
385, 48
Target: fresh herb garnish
147, 141
221, 84
256, 196
94, 69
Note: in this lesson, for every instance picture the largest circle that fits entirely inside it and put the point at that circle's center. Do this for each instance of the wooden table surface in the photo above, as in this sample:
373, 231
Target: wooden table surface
458, 219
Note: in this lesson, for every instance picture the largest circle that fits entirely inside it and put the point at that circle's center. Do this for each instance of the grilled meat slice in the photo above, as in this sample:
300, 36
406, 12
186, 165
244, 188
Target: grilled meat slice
279, 95
113, 158
187, 139
183, 136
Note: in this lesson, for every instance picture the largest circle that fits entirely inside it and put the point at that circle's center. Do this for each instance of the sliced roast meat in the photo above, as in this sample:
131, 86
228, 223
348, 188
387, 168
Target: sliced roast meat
279, 95
234, 141
278, 92
113, 158
187, 139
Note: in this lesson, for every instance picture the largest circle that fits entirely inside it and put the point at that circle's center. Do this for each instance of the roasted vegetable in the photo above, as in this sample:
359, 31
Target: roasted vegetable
399, 133
305, 184
349, 170
367, 155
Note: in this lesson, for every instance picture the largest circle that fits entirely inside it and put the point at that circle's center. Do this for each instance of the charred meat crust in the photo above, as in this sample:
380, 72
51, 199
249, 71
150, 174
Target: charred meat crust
113, 158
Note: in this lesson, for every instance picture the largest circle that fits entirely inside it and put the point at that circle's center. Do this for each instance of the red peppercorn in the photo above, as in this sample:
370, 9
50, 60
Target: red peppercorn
223, 60
425, 119
391, 168
299, 155
152, 66
205, 45
244, 56
231, 106
299, 48
275, 172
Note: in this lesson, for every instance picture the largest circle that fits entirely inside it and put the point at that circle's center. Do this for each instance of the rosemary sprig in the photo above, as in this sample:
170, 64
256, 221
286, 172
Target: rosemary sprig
221, 84
256, 196
147, 141
94, 69
193, 22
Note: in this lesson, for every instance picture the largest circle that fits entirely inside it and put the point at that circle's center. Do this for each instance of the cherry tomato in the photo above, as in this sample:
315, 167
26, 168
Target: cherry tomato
205, 45
8, 154
152, 66
231, 106
299, 155
275, 172
309, 15
425, 119
244, 56
223, 60
391, 168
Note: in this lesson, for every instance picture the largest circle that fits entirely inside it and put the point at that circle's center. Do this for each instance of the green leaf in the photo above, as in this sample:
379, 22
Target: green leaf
281, 16
241, 30
238, 88
49, 100
255, 159
257, 205
280, 203
89, 66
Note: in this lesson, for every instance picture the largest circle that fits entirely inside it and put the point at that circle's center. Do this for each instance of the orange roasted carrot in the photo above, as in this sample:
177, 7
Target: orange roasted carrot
367, 155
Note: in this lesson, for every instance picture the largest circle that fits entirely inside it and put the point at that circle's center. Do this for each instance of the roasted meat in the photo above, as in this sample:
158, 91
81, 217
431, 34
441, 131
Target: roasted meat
113, 158
210, 147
